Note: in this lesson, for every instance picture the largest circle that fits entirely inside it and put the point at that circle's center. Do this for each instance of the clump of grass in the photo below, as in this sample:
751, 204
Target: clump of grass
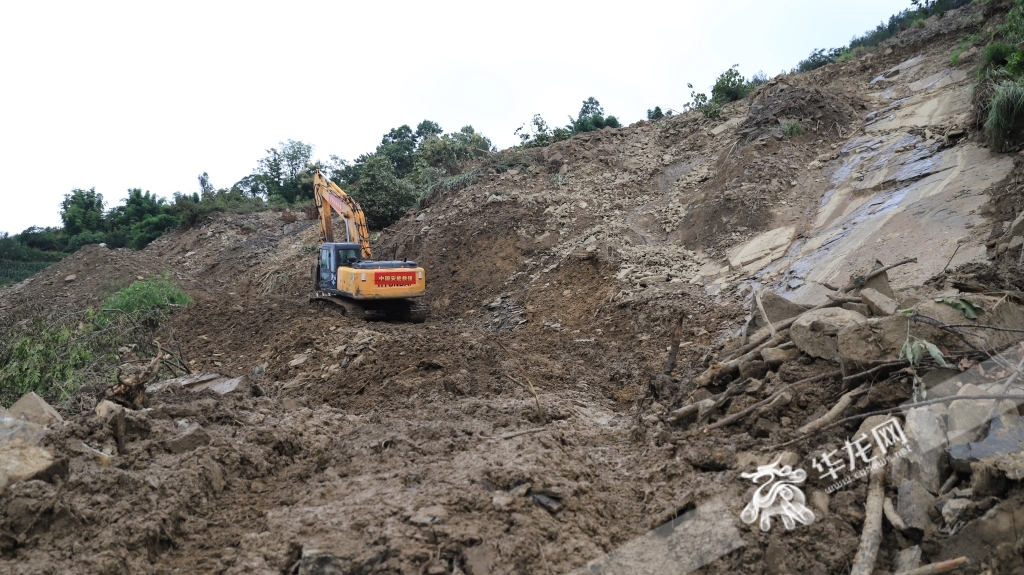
793, 129
1005, 117
153, 298
962, 47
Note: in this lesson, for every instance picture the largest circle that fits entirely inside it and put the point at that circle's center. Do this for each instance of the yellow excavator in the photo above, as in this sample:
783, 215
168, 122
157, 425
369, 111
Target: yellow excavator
346, 274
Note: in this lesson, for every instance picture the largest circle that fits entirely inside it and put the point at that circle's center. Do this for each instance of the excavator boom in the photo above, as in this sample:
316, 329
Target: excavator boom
328, 195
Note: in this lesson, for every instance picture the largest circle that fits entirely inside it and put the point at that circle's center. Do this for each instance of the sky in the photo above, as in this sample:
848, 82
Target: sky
120, 95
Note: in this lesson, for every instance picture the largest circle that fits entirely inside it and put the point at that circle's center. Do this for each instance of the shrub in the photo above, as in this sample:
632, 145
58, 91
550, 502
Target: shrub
43, 359
655, 114
730, 86
793, 129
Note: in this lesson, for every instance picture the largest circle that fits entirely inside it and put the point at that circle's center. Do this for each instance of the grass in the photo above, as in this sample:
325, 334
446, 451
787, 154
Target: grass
1005, 114
56, 355
14, 272
962, 47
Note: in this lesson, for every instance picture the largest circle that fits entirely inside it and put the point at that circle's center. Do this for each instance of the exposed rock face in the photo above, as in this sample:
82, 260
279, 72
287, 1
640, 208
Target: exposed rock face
816, 332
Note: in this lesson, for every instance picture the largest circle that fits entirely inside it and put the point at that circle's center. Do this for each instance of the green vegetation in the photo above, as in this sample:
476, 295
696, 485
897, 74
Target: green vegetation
590, 118
729, 87
962, 47
151, 299
910, 18
13, 271
793, 129
999, 94
55, 356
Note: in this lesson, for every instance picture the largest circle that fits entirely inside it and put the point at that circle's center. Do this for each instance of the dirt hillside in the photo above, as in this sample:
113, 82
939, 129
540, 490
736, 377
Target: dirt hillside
354, 446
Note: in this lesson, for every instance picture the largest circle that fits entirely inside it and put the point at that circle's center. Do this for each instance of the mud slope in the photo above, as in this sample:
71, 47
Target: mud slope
373, 447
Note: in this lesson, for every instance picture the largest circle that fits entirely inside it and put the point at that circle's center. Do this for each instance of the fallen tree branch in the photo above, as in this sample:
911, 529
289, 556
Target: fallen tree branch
890, 513
844, 402
859, 282
859, 416
741, 414
523, 371
871, 536
733, 365
940, 567
784, 324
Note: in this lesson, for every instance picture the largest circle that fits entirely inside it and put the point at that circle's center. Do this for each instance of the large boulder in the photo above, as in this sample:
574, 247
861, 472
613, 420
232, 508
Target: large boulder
22, 455
816, 332
1002, 448
777, 308
33, 408
879, 303
914, 505
882, 338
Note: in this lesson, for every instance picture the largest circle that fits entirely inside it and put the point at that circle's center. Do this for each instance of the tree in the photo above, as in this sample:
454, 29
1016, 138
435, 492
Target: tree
655, 114
205, 187
383, 196
82, 211
425, 129
590, 108
398, 146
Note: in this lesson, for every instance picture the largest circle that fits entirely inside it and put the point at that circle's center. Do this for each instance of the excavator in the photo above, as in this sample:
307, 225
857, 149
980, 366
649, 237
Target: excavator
346, 274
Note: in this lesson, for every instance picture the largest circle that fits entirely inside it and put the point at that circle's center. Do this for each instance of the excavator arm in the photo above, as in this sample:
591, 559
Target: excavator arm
328, 195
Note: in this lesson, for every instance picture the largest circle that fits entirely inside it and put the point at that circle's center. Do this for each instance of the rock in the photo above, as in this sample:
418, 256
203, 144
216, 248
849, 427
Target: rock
819, 501
298, 360
926, 463
502, 500
880, 304
987, 481
754, 387
70, 278
913, 504
879, 283
1003, 448
782, 400
429, 515
790, 458
764, 428
33, 408
777, 308
753, 369
552, 504
909, 558
775, 357
22, 457
193, 437
107, 408
711, 459
762, 250
953, 509
480, 560
967, 418
860, 308
816, 332
201, 381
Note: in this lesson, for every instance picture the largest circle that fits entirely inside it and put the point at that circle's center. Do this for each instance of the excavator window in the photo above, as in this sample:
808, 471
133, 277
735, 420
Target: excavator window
348, 256
325, 265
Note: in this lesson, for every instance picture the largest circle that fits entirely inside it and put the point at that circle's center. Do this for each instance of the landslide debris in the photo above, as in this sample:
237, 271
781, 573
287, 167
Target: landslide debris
307, 441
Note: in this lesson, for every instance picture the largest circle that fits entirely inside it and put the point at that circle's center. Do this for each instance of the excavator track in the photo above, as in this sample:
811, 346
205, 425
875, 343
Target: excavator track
409, 310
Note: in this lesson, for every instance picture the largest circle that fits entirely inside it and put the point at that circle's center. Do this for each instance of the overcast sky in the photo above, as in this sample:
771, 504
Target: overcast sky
118, 95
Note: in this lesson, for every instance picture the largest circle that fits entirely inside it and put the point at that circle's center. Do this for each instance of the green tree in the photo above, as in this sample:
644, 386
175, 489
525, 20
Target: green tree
383, 196
82, 211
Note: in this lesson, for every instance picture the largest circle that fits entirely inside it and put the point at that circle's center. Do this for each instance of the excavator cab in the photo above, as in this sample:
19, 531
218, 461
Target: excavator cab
334, 256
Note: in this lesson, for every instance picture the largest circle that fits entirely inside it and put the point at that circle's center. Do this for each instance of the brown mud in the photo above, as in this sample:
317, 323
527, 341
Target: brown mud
378, 447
